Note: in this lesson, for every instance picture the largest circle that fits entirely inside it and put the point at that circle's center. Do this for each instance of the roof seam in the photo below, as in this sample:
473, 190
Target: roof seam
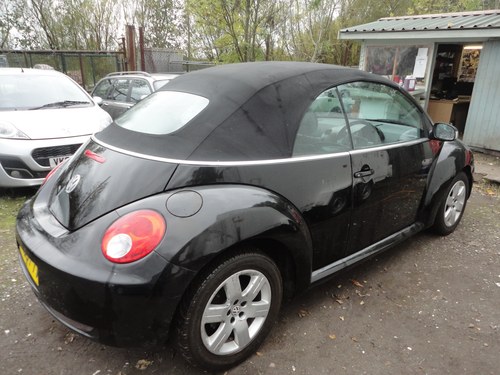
444, 15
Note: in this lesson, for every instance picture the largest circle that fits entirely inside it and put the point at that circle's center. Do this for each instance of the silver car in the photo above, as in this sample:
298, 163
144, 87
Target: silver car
119, 91
44, 118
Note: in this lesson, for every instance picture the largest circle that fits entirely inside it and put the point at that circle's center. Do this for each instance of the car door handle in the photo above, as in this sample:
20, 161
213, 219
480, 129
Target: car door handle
364, 173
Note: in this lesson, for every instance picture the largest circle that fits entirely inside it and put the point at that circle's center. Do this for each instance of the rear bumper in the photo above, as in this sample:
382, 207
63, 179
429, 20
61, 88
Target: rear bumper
120, 305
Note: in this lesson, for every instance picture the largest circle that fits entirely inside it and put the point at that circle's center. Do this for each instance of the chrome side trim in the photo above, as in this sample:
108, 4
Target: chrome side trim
389, 146
253, 162
365, 253
220, 163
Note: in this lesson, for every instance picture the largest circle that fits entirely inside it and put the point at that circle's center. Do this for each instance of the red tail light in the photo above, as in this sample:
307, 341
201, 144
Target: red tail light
133, 236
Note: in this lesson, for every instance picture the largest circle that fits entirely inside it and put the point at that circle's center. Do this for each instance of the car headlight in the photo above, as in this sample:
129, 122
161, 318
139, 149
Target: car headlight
8, 130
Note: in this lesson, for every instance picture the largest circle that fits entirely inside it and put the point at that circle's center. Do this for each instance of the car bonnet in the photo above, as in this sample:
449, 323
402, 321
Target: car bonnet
58, 122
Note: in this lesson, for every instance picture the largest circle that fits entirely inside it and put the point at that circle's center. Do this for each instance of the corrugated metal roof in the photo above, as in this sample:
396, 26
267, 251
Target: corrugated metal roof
429, 22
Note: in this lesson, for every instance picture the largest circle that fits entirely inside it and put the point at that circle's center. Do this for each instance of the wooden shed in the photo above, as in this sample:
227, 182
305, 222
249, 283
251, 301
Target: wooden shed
450, 62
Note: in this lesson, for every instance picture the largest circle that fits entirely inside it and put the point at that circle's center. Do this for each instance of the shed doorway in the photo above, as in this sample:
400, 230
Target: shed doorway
453, 78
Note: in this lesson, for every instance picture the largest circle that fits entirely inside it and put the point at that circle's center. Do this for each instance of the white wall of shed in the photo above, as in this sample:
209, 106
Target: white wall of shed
482, 128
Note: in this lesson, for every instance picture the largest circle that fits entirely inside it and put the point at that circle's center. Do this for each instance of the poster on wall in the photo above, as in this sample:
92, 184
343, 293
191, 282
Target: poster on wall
420, 63
468, 65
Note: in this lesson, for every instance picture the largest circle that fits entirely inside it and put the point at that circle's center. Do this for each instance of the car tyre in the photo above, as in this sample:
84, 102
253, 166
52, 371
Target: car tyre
225, 316
452, 205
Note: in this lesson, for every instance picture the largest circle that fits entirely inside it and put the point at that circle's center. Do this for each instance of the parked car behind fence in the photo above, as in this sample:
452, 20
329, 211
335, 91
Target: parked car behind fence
119, 91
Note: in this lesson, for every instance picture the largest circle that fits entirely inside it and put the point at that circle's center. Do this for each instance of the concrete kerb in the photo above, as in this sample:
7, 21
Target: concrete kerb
487, 166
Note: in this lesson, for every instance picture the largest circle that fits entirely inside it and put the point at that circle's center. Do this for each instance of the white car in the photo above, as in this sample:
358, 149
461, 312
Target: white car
45, 117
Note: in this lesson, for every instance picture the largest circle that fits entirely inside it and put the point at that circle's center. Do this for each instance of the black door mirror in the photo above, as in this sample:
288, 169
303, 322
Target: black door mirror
444, 132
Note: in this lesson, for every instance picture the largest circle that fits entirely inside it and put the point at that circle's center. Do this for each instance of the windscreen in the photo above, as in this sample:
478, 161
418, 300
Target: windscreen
28, 91
162, 112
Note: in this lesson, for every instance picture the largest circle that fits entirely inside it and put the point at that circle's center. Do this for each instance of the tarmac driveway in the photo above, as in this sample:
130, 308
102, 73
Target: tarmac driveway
428, 306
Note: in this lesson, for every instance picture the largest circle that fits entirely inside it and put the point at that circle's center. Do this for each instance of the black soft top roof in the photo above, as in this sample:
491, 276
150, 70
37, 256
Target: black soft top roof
244, 80
253, 113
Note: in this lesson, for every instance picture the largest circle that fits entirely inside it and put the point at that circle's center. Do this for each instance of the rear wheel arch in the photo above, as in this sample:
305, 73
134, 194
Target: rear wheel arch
277, 251
286, 263
187, 321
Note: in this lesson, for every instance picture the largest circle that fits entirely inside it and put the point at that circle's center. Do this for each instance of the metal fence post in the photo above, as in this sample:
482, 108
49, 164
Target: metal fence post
92, 68
63, 63
82, 72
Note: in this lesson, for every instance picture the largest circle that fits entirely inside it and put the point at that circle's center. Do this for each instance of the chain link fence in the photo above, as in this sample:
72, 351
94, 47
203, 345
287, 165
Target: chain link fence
160, 60
85, 67
88, 67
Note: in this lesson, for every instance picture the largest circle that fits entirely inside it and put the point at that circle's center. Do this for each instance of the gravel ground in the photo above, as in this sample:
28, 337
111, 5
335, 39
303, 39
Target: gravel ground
427, 306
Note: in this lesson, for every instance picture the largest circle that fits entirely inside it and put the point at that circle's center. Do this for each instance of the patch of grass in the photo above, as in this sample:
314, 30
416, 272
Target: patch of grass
10, 203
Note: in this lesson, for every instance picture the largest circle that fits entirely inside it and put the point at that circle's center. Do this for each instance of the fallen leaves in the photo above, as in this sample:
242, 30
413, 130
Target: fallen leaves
69, 338
303, 313
361, 294
357, 283
340, 298
143, 364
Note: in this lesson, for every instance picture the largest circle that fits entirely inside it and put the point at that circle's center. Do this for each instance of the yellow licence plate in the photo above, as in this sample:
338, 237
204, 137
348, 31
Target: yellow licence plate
30, 266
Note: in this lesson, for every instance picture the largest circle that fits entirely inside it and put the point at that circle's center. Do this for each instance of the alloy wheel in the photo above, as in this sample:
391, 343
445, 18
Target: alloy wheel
236, 312
455, 203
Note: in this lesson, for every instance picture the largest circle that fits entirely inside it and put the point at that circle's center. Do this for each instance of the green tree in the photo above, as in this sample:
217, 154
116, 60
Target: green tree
235, 30
52, 24
9, 14
449, 6
162, 21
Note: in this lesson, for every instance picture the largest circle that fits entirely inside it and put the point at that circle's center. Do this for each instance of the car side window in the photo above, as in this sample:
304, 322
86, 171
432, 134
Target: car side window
318, 129
139, 89
119, 92
102, 89
379, 114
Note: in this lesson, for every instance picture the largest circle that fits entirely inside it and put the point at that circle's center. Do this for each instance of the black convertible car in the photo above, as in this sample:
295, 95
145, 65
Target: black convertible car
204, 206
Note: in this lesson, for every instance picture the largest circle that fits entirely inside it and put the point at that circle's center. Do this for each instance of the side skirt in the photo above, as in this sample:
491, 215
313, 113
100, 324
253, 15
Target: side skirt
374, 249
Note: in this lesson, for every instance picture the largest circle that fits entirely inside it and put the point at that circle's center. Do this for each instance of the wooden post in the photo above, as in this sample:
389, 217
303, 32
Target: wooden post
141, 48
395, 65
131, 47
82, 72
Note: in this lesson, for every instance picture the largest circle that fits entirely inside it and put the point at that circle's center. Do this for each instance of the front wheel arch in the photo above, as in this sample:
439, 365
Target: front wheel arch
451, 205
